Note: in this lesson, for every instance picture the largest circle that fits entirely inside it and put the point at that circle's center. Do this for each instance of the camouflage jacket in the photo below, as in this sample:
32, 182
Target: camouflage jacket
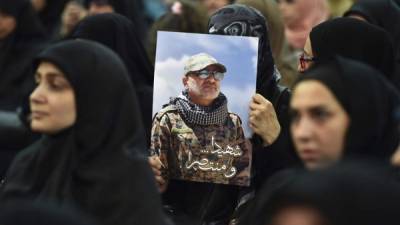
215, 153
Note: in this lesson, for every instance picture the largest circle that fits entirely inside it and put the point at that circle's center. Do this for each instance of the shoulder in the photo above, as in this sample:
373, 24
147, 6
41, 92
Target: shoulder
167, 109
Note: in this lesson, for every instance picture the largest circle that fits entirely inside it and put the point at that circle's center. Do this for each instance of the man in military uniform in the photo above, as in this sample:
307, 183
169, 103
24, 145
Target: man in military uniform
197, 139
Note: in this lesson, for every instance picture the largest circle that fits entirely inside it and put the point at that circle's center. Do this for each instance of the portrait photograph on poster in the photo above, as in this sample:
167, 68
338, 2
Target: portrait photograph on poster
203, 85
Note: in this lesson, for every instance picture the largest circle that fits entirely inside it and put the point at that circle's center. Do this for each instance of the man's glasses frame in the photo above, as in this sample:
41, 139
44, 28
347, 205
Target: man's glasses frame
304, 59
205, 74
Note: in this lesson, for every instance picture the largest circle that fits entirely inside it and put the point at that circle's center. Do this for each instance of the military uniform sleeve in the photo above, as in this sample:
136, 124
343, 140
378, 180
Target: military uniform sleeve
160, 141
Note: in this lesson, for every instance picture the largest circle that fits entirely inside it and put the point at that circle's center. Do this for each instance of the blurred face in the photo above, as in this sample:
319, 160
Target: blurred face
100, 8
306, 58
202, 91
289, 11
297, 215
72, 14
38, 5
7, 25
53, 101
318, 126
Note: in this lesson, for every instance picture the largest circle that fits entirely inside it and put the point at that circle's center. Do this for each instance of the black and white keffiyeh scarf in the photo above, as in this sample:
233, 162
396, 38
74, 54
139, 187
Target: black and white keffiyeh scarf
216, 113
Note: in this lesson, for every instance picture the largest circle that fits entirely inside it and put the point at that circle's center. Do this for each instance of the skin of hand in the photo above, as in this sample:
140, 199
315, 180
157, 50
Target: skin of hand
156, 165
263, 120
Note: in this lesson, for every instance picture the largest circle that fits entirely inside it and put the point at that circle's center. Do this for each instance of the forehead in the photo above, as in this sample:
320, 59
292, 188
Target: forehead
48, 68
312, 93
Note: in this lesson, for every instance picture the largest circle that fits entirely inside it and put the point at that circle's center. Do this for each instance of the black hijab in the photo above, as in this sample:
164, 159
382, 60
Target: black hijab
371, 102
357, 40
241, 20
118, 33
385, 14
50, 15
17, 51
97, 163
132, 9
345, 194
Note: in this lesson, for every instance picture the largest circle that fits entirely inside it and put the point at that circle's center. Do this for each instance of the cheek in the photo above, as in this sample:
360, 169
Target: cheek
63, 111
332, 139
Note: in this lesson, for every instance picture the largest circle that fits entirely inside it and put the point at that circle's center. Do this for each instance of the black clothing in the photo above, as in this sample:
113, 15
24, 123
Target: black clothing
50, 15
371, 102
242, 20
96, 164
119, 34
25, 212
345, 194
356, 40
133, 10
213, 203
384, 14
17, 51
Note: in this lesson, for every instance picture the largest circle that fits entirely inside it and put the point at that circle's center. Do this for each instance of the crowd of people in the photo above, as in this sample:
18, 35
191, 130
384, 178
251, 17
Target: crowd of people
79, 143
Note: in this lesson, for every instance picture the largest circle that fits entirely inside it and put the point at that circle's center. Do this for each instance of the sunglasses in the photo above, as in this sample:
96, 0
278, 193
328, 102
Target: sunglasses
304, 59
204, 74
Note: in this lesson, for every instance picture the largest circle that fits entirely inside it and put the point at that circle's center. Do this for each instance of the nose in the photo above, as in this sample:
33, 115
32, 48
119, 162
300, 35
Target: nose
38, 95
302, 130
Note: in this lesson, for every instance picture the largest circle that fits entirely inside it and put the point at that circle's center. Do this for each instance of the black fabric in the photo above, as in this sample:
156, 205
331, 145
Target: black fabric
266, 160
385, 14
357, 40
50, 15
25, 212
133, 10
346, 194
119, 34
241, 20
17, 51
371, 102
98, 163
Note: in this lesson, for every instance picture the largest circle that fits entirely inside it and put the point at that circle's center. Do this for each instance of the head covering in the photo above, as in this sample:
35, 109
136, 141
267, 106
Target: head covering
345, 194
200, 61
354, 39
370, 102
308, 14
50, 15
241, 20
118, 33
385, 14
96, 164
133, 10
17, 51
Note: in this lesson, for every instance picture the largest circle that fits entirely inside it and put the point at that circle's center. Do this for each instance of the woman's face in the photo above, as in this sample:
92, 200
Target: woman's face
306, 58
53, 101
319, 124
298, 215
7, 25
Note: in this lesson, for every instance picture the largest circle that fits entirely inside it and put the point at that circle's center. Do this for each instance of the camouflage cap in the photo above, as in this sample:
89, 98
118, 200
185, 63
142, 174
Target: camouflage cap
201, 61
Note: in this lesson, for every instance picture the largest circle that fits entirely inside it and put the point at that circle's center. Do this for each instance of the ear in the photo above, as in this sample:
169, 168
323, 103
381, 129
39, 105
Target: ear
185, 81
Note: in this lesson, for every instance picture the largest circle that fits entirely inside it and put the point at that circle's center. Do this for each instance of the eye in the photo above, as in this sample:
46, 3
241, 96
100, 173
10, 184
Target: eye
319, 114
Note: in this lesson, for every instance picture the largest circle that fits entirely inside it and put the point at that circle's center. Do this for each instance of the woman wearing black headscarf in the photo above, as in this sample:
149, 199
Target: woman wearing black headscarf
90, 152
20, 41
382, 13
133, 10
118, 33
49, 12
346, 194
241, 20
353, 39
350, 110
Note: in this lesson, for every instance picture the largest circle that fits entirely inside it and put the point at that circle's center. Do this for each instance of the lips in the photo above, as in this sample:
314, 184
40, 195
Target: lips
308, 154
38, 114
